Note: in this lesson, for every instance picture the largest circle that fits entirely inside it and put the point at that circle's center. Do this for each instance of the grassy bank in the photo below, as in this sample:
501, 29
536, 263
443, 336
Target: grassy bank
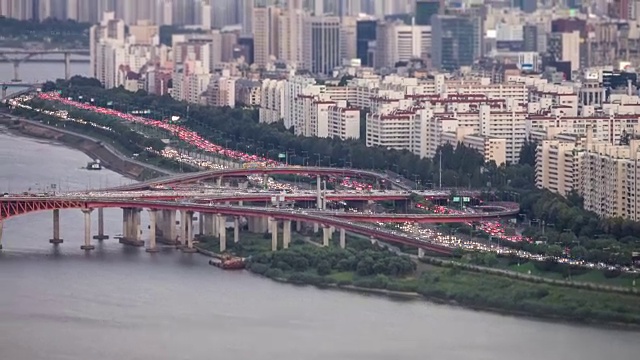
366, 267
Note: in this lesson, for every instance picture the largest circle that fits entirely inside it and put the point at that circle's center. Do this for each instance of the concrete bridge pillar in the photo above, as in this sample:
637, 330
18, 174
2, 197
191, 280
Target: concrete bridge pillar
201, 224
219, 181
56, 228
168, 227
152, 231
189, 233
318, 194
286, 234
138, 225
325, 235
373, 240
101, 236
67, 66
4, 91
210, 226
222, 226
420, 253
316, 228
183, 229
125, 223
343, 239
240, 203
1, 229
236, 229
298, 225
16, 70
87, 230
273, 225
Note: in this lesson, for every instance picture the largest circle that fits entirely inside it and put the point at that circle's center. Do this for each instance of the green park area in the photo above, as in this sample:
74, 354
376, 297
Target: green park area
370, 267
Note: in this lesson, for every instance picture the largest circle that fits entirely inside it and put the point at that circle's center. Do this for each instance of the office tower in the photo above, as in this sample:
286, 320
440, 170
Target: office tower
348, 38
322, 44
425, 9
365, 41
245, 13
396, 42
265, 34
183, 12
453, 42
224, 13
291, 24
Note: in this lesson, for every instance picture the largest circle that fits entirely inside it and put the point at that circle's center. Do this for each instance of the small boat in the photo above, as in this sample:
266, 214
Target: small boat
94, 165
229, 263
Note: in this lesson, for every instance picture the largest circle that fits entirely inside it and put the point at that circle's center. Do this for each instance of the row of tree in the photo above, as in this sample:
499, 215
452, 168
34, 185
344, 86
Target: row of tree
325, 260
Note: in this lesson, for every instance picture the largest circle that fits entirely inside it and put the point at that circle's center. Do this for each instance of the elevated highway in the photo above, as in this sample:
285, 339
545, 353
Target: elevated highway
282, 170
18, 206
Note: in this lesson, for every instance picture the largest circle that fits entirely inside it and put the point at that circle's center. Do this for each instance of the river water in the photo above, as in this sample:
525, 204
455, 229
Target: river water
122, 303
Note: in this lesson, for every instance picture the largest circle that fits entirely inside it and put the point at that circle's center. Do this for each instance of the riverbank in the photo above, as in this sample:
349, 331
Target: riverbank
94, 148
333, 268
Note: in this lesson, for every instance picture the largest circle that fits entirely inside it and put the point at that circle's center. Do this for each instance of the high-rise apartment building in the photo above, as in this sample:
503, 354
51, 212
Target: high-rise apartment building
425, 9
265, 37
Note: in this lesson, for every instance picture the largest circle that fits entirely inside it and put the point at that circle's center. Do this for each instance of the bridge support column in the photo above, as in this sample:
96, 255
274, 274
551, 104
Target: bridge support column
16, 70
189, 233
316, 227
183, 229
210, 224
87, 230
318, 194
201, 223
326, 235
222, 226
286, 234
101, 236
373, 240
343, 239
420, 253
240, 203
236, 229
273, 224
152, 231
56, 228
219, 181
4, 92
1, 229
298, 225
67, 66
265, 181
168, 227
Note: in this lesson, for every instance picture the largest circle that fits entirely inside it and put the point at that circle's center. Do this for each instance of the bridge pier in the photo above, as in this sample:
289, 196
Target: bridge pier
326, 235
1, 229
56, 228
16, 70
236, 229
273, 225
67, 66
168, 227
4, 91
318, 194
222, 234
131, 227
189, 233
87, 230
201, 224
101, 236
152, 231
286, 234
343, 239
183, 230
420, 253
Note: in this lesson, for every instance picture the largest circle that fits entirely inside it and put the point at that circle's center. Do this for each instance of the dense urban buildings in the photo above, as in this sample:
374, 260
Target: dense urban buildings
408, 75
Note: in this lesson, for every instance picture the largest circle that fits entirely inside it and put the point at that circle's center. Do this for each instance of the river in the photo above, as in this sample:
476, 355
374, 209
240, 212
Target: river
119, 302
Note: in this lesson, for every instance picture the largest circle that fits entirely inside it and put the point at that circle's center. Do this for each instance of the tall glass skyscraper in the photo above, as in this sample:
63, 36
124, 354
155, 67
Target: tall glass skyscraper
453, 41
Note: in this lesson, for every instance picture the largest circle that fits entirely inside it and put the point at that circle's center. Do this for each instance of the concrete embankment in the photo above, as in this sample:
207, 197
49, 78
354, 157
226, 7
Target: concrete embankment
96, 149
